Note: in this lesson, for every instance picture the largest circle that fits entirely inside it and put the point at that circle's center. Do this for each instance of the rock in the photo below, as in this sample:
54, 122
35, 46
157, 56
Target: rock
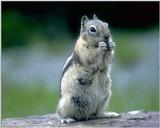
129, 119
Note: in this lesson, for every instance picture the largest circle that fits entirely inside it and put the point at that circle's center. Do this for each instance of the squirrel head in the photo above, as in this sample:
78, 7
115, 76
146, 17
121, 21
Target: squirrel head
94, 30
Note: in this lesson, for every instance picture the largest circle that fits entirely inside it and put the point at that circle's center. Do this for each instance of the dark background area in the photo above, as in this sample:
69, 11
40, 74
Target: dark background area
123, 12
121, 15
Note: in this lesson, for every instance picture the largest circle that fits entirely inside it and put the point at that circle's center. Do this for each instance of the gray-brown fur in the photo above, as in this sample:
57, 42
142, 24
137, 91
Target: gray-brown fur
85, 81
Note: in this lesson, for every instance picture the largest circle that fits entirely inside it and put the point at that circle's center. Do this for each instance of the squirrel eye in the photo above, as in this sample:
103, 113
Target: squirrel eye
93, 29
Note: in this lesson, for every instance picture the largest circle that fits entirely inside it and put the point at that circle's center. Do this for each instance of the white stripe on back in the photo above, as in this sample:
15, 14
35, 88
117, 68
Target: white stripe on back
68, 59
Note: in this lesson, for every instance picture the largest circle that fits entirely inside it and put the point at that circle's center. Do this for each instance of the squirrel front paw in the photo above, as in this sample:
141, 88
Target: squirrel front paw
102, 46
111, 45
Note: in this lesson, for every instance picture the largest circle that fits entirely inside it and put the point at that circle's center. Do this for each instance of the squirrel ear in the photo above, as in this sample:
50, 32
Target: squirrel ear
84, 20
95, 17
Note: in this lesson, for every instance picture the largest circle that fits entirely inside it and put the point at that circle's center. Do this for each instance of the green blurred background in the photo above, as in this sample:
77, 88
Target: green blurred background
37, 38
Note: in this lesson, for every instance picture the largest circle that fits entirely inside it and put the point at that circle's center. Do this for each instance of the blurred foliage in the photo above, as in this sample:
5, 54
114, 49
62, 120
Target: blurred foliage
20, 31
128, 50
19, 101
134, 98
15, 30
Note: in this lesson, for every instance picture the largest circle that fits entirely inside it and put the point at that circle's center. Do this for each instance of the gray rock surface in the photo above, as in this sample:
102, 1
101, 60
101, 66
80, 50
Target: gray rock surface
142, 119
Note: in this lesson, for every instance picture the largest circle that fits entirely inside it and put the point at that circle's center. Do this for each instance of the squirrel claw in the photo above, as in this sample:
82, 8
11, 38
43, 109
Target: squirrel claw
66, 121
111, 45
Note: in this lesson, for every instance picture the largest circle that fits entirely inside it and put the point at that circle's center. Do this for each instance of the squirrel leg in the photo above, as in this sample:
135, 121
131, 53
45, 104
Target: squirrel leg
65, 109
101, 113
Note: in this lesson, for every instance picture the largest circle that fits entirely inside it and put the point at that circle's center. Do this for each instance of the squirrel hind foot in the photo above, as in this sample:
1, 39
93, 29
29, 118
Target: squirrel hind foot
110, 115
66, 121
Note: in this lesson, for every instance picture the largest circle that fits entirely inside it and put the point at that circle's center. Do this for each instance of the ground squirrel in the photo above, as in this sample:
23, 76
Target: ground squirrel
85, 81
